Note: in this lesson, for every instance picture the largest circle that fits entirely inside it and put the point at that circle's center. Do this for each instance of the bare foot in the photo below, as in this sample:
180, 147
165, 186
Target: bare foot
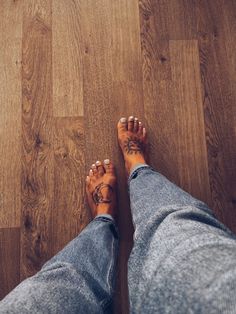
101, 188
132, 138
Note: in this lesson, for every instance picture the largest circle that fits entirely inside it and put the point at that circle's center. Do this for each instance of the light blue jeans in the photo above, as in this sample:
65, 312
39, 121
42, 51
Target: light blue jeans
183, 260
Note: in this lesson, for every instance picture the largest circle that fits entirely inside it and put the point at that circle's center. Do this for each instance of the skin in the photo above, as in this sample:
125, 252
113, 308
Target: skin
101, 181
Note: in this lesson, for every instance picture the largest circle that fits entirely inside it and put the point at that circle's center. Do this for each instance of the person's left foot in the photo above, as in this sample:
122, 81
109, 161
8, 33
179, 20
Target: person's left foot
101, 188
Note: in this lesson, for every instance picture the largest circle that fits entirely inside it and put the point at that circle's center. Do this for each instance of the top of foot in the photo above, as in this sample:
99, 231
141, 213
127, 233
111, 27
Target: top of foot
101, 188
132, 137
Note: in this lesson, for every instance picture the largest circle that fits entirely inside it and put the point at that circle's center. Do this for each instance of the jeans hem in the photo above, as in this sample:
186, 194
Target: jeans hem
136, 172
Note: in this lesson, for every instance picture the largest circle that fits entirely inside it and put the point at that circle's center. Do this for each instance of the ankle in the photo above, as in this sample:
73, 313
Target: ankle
105, 209
131, 163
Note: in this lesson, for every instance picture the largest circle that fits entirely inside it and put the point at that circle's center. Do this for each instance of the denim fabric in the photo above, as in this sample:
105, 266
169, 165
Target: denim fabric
79, 279
183, 259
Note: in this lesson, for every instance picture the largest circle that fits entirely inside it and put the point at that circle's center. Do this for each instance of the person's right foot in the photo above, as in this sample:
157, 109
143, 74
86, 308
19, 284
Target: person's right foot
132, 138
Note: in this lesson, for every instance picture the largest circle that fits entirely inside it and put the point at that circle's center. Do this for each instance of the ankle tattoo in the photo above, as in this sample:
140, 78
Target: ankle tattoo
97, 194
133, 146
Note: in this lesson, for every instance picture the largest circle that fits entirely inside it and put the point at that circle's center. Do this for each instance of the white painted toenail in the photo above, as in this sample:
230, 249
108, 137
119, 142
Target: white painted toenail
90, 171
131, 118
135, 119
123, 120
140, 123
98, 163
93, 166
106, 161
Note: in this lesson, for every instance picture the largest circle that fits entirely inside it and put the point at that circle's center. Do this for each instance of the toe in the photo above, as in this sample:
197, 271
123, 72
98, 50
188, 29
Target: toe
94, 169
140, 128
100, 168
90, 173
130, 123
144, 133
87, 180
109, 167
135, 124
122, 124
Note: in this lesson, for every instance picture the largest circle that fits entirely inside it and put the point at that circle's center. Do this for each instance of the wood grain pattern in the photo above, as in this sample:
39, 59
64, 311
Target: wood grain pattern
181, 18
37, 151
10, 112
190, 133
67, 58
217, 43
86, 63
69, 215
96, 28
159, 104
9, 259
126, 52
154, 34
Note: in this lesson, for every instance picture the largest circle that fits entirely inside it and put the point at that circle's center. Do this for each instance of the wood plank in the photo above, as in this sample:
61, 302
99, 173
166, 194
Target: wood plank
126, 49
96, 28
99, 111
127, 97
161, 123
112, 88
9, 259
154, 33
191, 150
181, 18
10, 112
67, 58
216, 22
70, 215
37, 150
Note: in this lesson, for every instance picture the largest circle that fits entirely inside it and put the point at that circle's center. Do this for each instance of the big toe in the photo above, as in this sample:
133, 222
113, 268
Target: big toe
109, 167
122, 125
100, 169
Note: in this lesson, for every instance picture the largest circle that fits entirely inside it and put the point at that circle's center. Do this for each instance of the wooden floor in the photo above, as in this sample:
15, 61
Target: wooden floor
69, 70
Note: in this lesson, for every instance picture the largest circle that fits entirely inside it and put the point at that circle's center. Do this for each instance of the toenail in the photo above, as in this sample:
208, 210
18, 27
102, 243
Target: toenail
106, 161
131, 118
135, 119
90, 171
140, 123
123, 120
98, 163
93, 166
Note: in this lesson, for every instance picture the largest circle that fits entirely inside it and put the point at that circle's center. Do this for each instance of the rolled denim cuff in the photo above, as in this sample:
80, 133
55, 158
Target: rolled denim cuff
113, 226
106, 216
136, 169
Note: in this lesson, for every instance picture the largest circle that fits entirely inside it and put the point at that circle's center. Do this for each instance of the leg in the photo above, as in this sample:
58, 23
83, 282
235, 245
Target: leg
80, 278
184, 256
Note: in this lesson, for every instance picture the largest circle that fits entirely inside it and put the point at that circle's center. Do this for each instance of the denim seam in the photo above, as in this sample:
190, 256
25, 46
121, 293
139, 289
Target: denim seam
111, 270
106, 302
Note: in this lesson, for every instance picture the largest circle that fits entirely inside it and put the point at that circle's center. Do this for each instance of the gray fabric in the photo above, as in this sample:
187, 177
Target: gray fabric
79, 279
183, 260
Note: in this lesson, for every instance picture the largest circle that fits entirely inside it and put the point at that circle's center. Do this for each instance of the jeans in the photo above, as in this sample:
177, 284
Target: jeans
183, 260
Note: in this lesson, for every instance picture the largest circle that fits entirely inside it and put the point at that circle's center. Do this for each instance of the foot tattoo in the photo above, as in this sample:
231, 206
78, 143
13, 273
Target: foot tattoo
132, 138
97, 193
133, 145
101, 188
